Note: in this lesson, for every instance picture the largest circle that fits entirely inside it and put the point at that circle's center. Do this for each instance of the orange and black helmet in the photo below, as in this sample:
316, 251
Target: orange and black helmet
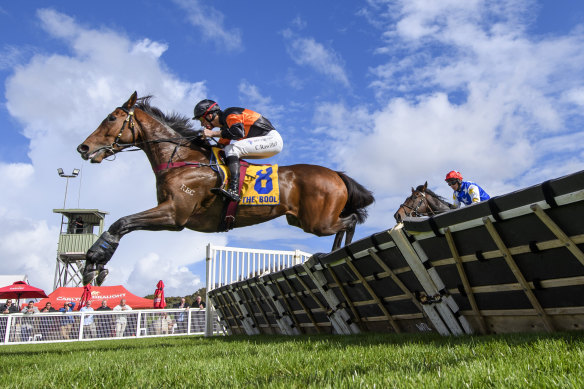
204, 107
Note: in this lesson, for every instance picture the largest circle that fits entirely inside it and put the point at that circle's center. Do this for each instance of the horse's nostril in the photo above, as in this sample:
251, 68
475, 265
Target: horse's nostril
82, 148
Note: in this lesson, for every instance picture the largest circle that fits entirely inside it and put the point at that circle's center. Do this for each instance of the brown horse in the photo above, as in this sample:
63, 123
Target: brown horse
422, 202
314, 198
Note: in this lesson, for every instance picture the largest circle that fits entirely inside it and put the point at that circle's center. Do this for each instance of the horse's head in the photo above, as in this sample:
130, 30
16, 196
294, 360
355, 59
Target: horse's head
422, 202
416, 205
115, 133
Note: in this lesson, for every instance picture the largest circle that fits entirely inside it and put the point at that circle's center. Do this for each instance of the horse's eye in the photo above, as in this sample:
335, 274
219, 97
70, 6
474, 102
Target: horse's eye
111, 118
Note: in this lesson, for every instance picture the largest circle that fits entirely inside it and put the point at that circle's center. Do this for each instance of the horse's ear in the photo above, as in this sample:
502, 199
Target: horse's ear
413, 191
131, 101
425, 186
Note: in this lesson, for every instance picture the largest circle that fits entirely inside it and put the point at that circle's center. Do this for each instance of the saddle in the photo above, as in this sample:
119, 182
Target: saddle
258, 185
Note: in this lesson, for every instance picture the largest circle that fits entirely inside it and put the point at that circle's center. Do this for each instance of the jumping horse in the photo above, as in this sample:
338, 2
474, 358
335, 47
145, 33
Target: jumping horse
422, 202
317, 199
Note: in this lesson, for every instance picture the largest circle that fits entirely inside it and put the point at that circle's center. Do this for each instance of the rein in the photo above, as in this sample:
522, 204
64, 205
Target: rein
414, 210
129, 121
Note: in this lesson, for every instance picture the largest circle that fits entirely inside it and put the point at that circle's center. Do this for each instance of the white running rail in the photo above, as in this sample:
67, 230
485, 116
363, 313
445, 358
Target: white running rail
226, 265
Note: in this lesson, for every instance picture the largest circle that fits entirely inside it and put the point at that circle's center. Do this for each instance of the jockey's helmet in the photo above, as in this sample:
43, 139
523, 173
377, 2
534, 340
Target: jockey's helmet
204, 107
453, 175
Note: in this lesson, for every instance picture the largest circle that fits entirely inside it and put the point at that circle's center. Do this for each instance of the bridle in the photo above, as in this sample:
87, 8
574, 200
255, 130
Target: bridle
130, 122
116, 146
414, 210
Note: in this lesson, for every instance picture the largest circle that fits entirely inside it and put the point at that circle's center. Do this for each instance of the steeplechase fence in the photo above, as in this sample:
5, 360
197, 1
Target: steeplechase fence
514, 263
84, 326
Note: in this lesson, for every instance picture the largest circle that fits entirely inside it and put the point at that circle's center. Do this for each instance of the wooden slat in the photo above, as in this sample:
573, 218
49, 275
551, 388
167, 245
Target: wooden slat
395, 279
517, 273
375, 297
307, 288
229, 305
465, 283
345, 294
247, 306
554, 283
304, 307
557, 231
259, 305
290, 310
522, 249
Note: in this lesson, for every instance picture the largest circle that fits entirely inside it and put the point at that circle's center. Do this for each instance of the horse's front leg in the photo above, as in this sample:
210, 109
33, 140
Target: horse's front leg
99, 254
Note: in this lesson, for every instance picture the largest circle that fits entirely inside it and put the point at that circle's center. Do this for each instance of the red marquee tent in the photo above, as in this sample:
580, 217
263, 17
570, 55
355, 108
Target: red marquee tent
113, 295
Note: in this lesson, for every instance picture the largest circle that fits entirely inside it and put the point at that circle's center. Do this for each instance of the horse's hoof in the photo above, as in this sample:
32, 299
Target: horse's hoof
101, 277
89, 276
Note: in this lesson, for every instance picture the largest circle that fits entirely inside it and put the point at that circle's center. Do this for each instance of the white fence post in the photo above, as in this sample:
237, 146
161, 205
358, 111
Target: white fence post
8, 325
81, 326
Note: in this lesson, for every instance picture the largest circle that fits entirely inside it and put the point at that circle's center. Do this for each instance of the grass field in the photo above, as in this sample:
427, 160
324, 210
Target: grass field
368, 360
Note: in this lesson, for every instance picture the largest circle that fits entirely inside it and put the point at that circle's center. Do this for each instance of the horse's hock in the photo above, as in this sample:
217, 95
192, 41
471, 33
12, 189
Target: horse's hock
514, 263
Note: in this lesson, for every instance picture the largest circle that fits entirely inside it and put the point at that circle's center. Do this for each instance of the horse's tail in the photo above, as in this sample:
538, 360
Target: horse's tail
359, 198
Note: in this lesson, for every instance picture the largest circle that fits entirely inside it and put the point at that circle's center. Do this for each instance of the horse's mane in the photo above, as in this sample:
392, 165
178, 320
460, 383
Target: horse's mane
176, 121
420, 188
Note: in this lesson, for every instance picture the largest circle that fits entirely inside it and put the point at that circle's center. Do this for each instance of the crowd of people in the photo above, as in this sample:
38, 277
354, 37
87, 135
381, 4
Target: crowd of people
61, 324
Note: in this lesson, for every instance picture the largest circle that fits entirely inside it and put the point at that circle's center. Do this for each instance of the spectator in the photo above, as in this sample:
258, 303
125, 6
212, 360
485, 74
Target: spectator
47, 324
48, 308
121, 320
89, 330
465, 192
198, 318
9, 307
78, 225
199, 303
182, 317
28, 323
104, 322
162, 324
67, 321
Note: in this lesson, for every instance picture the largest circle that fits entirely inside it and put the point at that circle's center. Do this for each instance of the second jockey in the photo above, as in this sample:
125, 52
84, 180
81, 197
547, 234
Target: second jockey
465, 192
243, 133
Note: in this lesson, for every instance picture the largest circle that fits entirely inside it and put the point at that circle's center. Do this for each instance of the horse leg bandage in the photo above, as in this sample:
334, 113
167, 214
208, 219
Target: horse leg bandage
102, 250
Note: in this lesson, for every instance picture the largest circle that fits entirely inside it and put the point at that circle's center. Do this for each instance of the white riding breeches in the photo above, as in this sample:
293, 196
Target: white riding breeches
257, 147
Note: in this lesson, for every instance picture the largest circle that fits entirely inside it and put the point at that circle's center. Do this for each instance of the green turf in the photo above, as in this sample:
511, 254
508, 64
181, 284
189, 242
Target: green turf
368, 360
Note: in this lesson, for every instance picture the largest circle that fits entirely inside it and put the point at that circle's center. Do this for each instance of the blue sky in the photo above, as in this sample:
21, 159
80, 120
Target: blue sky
392, 92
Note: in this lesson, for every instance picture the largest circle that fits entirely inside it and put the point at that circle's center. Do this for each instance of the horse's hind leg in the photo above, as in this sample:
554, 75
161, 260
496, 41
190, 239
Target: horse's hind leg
348, 230
349, 235
338, 240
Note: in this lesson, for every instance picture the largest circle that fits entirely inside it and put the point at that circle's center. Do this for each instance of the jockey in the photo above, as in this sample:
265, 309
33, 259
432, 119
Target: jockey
243, 133
464, 191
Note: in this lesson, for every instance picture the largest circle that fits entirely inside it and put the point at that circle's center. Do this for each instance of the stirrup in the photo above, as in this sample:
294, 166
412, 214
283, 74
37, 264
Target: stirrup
228, 194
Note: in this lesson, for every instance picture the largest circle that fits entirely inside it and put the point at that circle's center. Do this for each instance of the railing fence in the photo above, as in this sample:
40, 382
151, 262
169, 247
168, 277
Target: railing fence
73, 326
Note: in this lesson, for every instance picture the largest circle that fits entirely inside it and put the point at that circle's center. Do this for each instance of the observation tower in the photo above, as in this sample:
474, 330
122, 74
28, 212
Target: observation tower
80, 228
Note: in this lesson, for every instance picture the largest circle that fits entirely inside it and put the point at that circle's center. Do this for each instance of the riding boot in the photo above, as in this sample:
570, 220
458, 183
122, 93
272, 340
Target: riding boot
232, 192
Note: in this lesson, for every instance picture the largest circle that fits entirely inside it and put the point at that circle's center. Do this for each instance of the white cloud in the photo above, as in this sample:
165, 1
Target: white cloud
59, 99
463, 88
211, 24
307, 51
254, 99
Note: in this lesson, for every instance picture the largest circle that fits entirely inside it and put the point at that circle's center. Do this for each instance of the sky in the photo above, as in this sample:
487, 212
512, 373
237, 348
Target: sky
394, 93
